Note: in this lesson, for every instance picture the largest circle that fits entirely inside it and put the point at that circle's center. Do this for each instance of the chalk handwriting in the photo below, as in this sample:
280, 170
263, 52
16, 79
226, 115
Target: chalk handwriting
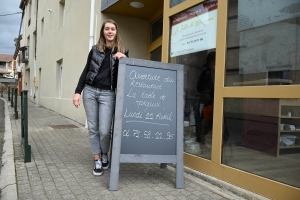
131, 94
135, 75
136, 133
149, 116
147, 134
163, 97
148, 104
159, 135
148, 95
144, 85
137, 121
168, 80
126, 133
160, 116
138, 115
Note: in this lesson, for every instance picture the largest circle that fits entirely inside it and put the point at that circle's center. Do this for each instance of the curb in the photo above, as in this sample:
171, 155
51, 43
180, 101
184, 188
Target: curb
218, 186
8, 176
223, 186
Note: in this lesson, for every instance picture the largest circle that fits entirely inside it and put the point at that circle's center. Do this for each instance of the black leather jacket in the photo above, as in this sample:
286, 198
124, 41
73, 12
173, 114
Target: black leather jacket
96, 61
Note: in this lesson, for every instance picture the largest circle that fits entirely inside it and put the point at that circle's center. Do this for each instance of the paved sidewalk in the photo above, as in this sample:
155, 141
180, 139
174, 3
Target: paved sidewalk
61, 166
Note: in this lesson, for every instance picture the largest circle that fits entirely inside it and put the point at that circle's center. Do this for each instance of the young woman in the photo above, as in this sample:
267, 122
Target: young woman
98, 82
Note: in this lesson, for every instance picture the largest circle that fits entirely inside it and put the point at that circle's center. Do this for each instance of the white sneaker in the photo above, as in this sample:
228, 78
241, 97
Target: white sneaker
98, 171
104, 160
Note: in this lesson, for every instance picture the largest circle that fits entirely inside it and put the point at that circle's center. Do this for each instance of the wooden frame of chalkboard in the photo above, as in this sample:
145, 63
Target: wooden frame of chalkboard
148, 125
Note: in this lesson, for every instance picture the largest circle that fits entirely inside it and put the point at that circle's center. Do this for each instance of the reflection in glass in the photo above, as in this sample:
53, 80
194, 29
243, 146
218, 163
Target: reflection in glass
198, 107
175, 2
155, 55
156, 29
263, 46
192, 44
262, 136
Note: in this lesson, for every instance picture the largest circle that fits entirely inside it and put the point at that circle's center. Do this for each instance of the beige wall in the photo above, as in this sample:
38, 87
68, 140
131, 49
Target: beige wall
27, 40
69, 45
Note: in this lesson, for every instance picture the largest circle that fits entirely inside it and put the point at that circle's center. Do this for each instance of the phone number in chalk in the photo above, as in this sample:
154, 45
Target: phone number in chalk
148, 134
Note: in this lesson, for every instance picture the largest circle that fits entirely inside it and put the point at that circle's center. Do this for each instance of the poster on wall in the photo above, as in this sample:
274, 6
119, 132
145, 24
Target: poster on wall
195, 29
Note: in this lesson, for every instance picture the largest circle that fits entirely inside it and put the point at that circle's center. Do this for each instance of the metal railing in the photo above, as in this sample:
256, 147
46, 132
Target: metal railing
16, 103
24, 126
12, 98
8, 93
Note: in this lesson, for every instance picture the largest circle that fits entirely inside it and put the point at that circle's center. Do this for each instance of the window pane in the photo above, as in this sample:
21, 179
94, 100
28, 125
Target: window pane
263, 46
262, 136
156, 29
193, 43
175, 2
155, 55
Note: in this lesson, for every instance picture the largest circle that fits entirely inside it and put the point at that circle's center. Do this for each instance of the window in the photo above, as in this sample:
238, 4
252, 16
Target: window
60, 81
28, 41
26, 50
34, 43
155, 55
29, 13
263, 46
24, 55
61, 13
27, 79
261, 136
156, 29
42, 26
193, 41
175, 2
59, 72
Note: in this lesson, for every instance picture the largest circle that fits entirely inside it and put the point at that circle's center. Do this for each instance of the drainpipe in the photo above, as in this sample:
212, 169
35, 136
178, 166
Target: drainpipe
92, 18
36, 20
91, 40
35, 45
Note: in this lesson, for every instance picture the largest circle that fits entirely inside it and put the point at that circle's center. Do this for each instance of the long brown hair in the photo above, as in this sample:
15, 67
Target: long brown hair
117, 40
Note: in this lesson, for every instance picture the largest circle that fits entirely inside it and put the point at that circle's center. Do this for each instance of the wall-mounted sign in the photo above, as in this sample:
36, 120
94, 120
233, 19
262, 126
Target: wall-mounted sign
195, 29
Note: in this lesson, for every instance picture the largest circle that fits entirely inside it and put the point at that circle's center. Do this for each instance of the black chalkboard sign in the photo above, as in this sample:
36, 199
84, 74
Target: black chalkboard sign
149, 111
148, 125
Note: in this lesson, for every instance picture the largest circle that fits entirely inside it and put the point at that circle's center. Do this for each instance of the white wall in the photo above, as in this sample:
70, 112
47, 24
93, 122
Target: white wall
70, 44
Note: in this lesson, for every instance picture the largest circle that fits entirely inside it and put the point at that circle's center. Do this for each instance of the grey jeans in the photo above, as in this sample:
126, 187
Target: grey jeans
99, 107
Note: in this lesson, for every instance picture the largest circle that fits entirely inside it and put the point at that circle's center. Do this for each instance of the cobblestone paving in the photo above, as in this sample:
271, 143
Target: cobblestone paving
61, 167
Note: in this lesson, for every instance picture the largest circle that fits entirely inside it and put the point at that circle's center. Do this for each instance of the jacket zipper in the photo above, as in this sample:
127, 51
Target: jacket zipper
111, 78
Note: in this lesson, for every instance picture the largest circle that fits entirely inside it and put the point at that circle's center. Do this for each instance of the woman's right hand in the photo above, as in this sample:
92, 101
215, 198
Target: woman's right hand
76, 100
119, 55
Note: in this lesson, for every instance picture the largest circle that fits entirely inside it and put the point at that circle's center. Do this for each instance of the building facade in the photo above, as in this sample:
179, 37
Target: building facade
6, 64
252, 140
56, 39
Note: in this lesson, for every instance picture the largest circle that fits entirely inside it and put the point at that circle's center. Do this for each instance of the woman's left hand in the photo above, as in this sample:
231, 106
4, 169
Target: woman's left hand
119, 55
